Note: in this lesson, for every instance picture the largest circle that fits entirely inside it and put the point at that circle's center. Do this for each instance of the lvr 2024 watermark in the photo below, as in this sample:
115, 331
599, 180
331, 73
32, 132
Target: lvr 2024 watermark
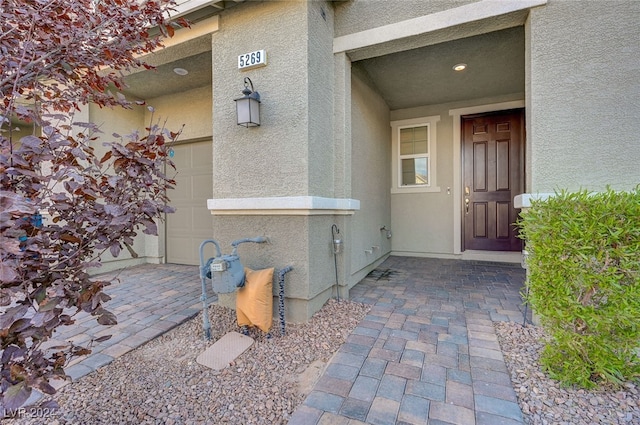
29, 412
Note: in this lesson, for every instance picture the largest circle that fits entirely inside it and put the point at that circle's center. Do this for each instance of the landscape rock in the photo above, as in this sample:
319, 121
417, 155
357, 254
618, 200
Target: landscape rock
545, 401
161, 383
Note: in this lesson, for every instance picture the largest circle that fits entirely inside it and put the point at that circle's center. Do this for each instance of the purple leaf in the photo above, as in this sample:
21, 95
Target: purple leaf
103, 338
30, 142
11, 352
115, 249
49, 304
45, 387
114, 210
107, 319
120, 220
150, 228
16, 395
8, 272
11, 315
19, 325
113, 180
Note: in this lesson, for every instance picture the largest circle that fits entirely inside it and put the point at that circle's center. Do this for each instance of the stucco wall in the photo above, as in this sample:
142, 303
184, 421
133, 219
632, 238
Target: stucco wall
303, 242
321, 81
359, 15
370, 174
270, 160
291, 153
190, 108
116, 120
583, 127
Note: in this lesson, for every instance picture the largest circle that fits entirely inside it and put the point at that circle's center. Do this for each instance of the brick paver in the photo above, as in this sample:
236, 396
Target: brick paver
147, 300
427, 352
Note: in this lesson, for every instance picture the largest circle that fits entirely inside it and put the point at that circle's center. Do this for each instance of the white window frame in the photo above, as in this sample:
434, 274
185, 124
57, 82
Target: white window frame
396, 166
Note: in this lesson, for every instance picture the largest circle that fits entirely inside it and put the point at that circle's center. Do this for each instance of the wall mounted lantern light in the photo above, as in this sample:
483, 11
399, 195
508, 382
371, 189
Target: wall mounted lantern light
248, 106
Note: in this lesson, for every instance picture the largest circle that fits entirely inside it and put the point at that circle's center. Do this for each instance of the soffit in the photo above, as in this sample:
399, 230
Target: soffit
424, 75
192, 55
163, 80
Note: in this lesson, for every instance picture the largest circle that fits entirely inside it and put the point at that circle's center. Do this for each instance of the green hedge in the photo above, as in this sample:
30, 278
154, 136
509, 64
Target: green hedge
584, 283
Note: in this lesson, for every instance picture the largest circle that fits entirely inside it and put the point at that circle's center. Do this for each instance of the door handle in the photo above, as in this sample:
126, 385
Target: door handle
466, 205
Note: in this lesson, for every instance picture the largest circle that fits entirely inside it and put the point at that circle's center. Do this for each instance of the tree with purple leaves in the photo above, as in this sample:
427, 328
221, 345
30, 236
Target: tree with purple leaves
62, 205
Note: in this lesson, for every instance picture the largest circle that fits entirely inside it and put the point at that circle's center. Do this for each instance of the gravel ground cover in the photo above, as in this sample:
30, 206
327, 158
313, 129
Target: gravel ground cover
545, 401
161, 383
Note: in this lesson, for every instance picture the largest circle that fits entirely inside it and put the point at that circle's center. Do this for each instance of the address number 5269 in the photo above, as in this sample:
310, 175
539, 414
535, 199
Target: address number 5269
252, 60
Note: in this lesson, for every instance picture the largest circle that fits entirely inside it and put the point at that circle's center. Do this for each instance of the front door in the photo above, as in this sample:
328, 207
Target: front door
493, 165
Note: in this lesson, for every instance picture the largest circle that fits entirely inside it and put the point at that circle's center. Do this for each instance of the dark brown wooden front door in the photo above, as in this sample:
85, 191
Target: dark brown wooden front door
493, 164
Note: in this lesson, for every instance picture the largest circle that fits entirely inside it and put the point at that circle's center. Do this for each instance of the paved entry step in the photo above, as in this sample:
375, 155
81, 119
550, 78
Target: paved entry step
225, 350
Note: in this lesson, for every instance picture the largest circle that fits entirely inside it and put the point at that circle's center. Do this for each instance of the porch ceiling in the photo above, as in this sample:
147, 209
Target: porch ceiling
425, 76
163, 80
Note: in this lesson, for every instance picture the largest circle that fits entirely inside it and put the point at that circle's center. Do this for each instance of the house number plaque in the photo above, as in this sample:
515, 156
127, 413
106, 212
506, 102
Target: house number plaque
252, 60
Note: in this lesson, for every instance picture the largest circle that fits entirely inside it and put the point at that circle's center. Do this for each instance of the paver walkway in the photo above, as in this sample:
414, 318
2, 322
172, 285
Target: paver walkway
148, 300
427, 353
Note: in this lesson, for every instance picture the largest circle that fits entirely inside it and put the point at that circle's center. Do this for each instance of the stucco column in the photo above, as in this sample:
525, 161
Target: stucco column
279, 179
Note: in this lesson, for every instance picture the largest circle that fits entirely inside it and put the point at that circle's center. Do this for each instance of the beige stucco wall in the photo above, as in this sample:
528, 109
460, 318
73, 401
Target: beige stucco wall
359, 15
582, 118
191, 109
303, 242
370, 176
320, 103
116, 120
270, 160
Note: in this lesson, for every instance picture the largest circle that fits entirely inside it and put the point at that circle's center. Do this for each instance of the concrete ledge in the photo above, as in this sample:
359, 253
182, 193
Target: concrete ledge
524, 200
283, 205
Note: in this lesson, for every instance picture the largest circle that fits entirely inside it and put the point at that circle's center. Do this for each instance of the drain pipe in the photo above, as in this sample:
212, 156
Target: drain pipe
337, 249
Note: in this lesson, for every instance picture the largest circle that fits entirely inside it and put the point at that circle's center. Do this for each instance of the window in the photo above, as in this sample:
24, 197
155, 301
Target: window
414, 155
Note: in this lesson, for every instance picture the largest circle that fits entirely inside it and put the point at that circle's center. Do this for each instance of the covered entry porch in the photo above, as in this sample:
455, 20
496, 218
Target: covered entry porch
440, 199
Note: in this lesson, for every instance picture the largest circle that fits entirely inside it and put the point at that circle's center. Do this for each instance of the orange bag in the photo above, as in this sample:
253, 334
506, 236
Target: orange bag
254, 301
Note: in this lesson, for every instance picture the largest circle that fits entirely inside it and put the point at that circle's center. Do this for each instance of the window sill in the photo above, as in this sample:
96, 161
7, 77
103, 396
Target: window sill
434, 189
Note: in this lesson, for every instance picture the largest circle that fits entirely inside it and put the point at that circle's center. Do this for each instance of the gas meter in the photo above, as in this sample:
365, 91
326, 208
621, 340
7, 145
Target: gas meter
226, 271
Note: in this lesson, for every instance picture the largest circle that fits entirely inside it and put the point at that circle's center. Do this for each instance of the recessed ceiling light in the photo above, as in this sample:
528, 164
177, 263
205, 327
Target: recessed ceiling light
460, 67
180, 71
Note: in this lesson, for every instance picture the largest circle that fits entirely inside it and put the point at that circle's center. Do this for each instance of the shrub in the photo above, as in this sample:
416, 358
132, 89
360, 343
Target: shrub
584, 283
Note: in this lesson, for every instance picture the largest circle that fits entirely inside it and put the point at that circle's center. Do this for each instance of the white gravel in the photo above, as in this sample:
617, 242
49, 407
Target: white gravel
545, 401
161, 383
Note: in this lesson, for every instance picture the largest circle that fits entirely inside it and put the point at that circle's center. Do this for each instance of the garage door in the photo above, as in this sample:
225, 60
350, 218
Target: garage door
192, 222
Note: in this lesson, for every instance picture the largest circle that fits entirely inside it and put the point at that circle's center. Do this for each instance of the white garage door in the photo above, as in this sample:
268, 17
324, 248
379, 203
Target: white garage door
192, 222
